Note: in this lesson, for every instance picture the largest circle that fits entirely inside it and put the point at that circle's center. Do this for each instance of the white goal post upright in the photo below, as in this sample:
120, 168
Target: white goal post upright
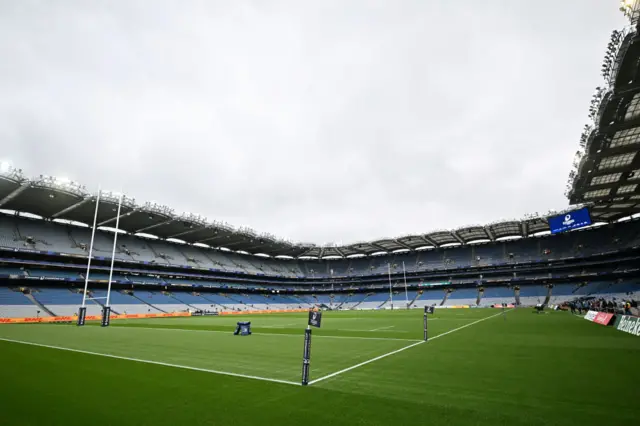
390, 292
106, 312
83, 309
406, 292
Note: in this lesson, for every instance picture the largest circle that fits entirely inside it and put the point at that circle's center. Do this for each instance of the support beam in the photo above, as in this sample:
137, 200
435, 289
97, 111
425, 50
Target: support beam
379, 247
489, 232
105, 222
430, 241
457, 237
166, 222
189, 231
403, 245
14, 194
215, 237
71, 208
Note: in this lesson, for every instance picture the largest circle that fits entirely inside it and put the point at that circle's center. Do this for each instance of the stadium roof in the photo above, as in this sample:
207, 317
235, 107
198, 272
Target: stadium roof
606, 169
53, 198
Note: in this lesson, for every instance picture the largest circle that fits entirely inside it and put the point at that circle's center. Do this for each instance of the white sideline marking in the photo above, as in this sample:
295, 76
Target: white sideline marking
365, 362
467, 325
146, 361
328, 376
269, 334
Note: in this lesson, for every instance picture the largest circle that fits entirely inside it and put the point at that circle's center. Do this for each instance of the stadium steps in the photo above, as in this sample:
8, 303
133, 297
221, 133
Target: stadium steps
383, 303
214, 262
415, 298
189, 261
516, 293
356, 305
548, 297
348, 270
184, 303
99, 303
73, 241
480, 294
155, 253
149, 304
40, 305
578, 287
444, 299
214, 303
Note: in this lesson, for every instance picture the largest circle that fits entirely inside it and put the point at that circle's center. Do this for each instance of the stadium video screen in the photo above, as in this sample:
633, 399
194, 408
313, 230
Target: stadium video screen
572, 220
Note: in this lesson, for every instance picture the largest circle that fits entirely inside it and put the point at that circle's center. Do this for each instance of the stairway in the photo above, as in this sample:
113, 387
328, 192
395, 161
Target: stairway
98, 302
146, 303
480, 294
383, 303
40, 305
418, 294
516, 293
214, 303
184, 303
365, 298
548, 297
446, 296
343, 302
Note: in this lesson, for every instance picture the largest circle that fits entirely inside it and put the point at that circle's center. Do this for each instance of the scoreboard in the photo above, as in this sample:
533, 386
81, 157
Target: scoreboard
571, 220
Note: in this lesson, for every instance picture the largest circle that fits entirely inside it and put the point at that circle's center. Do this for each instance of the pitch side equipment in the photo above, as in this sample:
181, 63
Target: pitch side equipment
427, 310
243, 328
315, 320
82, 313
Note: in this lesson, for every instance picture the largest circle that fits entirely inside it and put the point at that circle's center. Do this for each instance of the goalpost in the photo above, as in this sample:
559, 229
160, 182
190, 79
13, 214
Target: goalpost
82, 312
106, 311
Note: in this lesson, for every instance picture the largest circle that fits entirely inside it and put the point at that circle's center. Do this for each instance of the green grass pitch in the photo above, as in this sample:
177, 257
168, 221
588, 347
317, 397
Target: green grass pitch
483, 369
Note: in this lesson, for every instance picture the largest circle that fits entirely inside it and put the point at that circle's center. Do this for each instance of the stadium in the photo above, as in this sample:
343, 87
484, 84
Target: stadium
530, 321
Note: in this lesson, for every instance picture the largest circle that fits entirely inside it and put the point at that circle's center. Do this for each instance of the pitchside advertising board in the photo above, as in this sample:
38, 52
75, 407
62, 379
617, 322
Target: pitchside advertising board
571, 220
628, 324
599, 317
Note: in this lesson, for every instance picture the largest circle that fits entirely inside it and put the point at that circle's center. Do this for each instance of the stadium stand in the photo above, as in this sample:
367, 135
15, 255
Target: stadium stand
155, 275
497, 296
18, 232
15, 304
464, 296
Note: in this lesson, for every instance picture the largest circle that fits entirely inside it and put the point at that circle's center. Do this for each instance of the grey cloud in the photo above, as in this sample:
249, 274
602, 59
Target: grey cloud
316, 121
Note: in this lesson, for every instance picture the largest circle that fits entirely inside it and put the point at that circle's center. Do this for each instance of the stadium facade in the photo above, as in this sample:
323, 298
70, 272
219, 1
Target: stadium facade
196, 264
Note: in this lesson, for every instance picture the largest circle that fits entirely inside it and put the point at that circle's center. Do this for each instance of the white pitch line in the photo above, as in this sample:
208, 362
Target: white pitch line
466, 325
328, 376
269, 334
365, 362
383, 328
146, 361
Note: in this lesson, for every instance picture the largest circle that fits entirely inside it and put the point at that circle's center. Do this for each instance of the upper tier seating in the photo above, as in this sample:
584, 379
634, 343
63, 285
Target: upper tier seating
17, 232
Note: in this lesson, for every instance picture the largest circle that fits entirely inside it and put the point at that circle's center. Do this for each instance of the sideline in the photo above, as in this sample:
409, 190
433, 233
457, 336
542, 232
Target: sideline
328, 376
146, 361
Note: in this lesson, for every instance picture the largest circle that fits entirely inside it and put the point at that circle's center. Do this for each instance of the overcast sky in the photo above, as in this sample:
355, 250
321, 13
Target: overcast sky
326, 121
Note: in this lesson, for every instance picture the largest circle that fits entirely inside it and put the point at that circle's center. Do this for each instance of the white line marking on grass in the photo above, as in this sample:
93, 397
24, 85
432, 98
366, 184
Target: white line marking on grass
301, 335
466, 325
383, 328
328, 376
146, 361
